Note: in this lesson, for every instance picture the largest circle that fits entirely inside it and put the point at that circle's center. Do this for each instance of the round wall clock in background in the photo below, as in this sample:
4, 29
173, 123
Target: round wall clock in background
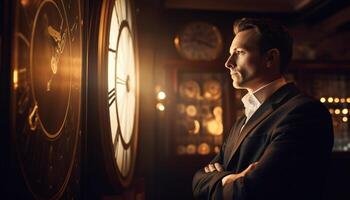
199, 41
117, 93
46, 73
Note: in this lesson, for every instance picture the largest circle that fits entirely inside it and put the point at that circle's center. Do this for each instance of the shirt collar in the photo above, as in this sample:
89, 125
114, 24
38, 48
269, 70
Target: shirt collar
252, 100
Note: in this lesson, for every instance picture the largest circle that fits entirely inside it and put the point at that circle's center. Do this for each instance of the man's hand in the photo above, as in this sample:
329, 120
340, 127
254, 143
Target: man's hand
232, 177
213, 167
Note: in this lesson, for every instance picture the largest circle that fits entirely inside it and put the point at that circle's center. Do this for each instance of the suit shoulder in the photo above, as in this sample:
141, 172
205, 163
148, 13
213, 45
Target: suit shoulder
307, 104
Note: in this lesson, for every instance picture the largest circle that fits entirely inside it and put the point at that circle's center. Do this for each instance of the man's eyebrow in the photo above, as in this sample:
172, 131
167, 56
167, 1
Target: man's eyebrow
231, 50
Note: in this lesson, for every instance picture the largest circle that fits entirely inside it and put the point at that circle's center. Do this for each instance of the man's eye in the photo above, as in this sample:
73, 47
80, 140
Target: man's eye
240, 52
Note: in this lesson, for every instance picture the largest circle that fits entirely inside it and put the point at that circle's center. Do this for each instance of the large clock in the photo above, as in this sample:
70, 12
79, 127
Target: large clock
46, 86
199, 41
117, 91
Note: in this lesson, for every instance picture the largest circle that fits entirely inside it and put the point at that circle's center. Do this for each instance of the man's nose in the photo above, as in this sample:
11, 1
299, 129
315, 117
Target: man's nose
231, 61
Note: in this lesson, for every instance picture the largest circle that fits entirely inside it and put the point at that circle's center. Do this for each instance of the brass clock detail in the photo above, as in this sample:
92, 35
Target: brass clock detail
118, 91
189, 89
46, 85
212, 89
199, 41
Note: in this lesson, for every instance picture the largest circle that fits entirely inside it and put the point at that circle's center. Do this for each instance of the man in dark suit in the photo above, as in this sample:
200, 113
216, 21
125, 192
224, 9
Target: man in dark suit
281, 148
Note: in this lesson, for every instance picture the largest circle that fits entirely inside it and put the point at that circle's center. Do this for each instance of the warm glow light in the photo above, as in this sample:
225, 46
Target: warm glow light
337, 111
217, 111
330, 99
345, 111
24, 2
160, 107
348, 100
342, 100
191, 149
176, 41
331, 110
197, 127
345, 119
322, 99
161, 95
15, 78
191, 110
203, 149
336, 100
215, 127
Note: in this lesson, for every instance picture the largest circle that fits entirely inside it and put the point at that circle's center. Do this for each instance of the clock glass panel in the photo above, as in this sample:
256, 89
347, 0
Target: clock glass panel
122, 88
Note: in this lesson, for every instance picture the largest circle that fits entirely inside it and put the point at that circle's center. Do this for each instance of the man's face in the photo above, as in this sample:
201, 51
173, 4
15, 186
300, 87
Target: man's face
246, 63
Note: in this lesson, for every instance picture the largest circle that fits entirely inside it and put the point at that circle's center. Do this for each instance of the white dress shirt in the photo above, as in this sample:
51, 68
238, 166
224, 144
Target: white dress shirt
253, 100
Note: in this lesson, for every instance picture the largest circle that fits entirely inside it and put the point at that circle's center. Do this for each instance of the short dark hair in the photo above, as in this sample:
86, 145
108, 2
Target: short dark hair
272, 35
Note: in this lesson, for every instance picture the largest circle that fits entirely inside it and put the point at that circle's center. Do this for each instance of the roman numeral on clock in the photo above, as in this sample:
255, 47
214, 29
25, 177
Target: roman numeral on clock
111, 96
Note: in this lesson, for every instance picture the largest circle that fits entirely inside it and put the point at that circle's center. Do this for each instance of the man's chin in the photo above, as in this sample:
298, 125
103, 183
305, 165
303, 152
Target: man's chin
237, 85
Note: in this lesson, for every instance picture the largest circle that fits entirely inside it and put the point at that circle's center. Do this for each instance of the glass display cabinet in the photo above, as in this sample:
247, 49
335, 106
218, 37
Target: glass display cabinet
200, 109
199, 113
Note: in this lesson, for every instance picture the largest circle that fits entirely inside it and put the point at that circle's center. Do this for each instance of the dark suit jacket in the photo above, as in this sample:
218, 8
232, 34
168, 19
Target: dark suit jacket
290, 135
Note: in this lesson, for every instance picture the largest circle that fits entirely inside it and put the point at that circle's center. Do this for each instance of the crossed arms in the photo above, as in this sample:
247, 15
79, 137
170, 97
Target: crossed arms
290, 165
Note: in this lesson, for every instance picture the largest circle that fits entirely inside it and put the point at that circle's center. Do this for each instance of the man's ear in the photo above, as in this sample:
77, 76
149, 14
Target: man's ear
272, 57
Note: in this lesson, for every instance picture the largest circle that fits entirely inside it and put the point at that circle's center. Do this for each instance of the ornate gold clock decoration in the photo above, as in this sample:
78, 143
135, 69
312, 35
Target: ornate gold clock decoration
212, 89
46, 92
199, 41
189, 89
117, 92
193, 126
215, 125
191, 111
199, 114
191, 149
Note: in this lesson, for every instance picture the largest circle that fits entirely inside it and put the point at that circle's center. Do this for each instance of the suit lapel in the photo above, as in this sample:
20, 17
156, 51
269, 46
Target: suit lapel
257, 117
233, 137
279, 97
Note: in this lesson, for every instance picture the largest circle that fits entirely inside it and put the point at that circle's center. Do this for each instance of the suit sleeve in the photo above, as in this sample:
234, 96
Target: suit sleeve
204, 183
297, 152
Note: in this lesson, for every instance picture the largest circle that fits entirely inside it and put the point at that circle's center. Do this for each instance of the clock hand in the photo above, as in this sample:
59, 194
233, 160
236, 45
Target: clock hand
54, 61
121, 81
206, 43
61, 41
33, 118
57, 37
59, 50
124, 82
54, 34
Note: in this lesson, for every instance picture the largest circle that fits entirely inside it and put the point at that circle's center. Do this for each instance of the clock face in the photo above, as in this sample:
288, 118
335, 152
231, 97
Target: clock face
46, 82
119, 69
199, 41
